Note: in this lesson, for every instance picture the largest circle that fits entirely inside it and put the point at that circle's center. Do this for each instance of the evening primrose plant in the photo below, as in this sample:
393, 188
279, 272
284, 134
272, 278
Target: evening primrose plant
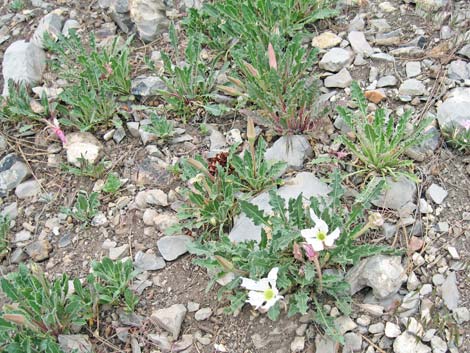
300, 239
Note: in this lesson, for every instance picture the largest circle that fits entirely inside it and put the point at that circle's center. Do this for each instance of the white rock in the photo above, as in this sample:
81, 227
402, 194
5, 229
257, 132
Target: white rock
326, 40
453, 253
424, 207
438, 345
336, 59
149, 216
203, 314
292, 149
413, 69
22, 62
412, 87
392, 330
359, 43
436, 193
52, 24
298, 344
397, 194
455, 109
170, 319
118, 253
408, 343
149, 18
376, 328
342, 79
173, 246
450, 291
69, 26
27, 189
83, 145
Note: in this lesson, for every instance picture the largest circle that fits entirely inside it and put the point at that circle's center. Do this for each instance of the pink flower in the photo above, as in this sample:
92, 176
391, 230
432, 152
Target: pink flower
53, 124
297, 252
311, 254
466, 124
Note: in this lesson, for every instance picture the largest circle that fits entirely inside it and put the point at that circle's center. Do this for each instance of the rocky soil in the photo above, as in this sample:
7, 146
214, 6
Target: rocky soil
405, 56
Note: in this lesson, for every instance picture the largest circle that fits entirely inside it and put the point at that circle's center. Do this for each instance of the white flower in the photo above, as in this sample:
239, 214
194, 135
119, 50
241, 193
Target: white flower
318, 236
262, 294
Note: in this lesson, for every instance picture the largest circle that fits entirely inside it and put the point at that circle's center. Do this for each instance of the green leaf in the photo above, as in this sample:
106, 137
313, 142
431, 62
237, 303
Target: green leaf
274, 312
253, 213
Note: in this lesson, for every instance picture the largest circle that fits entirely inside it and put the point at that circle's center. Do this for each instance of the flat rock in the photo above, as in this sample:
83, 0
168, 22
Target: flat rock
450, 291
352, 342
384, 274
12, 172
83, 145
392, 330
149, 18
397, 194
436, 193
303, 183
412, 87
342, 79
203, 314
148, 261
155, 197
413, 69
387, 81
465, 51
359, 43
51, 24
455, 109
324, 344
75, 344
389, 38
22, 62
173, 246
408, 343
170, 319
458, 70
27, 189
147, 86
336, 59
119, 252
326, 40
292, 149
39, 250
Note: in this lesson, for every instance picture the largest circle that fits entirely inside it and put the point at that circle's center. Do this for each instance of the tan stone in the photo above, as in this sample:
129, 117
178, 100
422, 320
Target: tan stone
326, 40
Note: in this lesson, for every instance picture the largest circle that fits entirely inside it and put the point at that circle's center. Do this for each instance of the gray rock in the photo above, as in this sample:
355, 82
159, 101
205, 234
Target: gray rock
130, 319
342, 79
427, 147
3, 144
27, 189
69, 26
303, 183
359, 43
10, 210
392, 330
203, 314
52, 24
83, 145
149, 18
324, 344
133, 127
119, 134
387, 81
217, 141
383, 57
192, 307
436, 193
18, 256
163, 221
384, 274
336, 59
147, 86
292, 149
170, 319
438, 345
344, 324
99, 220
397, 194
12, 172
455, 109
148, 261
465, 51
408, 343
389, 38
120, 6
357, 24
352, 342
22, 236
376, 328
458, 70
298, 344
413, 69
412, 87
39, 250
173, 246
461, 315
380, 25
162, 341
154, 197
450, 291
22, 62
75, 344
119, 252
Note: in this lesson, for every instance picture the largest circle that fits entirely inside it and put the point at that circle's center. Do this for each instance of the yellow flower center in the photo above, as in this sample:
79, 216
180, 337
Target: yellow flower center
268, 294
321, 236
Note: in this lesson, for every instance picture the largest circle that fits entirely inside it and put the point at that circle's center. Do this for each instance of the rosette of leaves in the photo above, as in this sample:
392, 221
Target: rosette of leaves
300, 279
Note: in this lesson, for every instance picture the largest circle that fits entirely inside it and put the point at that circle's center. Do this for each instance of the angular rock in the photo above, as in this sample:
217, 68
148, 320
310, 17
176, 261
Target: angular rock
292, 149
389, 38
173, 246
450, 291
303, 183
384, 274
413, 68
75, 344
149, 18
12, 172
436, 193
39, 250
336, 59
392, 330
438, 345
148, 261
324, 344
427, 147
397, 194
387, 81
51, 24
83, 145
147, 86
455, 109
170, 319
27, 189
203, 314
412, 87
352, 342
458, 70
326, 40
298, 344
408, 343
164, 221
359, 43
22, 62
342, 79
465, 51
69, 27
154, 197
119, 252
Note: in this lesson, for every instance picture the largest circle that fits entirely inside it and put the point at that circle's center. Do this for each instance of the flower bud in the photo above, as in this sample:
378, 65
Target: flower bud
376, 219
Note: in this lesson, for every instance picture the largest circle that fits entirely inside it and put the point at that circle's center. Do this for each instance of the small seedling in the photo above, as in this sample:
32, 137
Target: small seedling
17, 5
459, 136
160, 127
86, 169
112, 184
85, 208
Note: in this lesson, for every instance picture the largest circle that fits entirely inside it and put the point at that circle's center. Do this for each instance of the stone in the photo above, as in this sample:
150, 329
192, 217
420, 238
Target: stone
450, 291
383, 57
22, 236
375, 96
203, 314
357, 24
69, 27
412, 87
389, 38
83, 145
164, 221
397, 194
75, 344
344, 324
147, 86
425, 149
424, 207
458, 70
352, 342
455, 109
170, 319
154, 197
233, 137
183, 344
149, 216
148, 261
51, 24
384, 274
342, 79
461, 315
149, 18
387, 81
119, 134
22, 63
10, 211
119, 252
380, 25
453, 253
298, 344
436, 193
438, 345
359, 43
336, 59
413, 282
291, 149
376, 328
324, 344
3, 144
413, 69
425, 290
392, 330
173, 246
162, 341
465, 51
12, 172
39, 250
303, 183
326, 40
408, 343
217, 141
99, 220
120, 6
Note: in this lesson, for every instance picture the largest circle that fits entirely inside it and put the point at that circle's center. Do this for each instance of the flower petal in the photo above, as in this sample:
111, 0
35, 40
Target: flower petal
250, 284
272, 275
256, 299
269, 303
313, 216
330, 239
308, 233
316, 244
321, 225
